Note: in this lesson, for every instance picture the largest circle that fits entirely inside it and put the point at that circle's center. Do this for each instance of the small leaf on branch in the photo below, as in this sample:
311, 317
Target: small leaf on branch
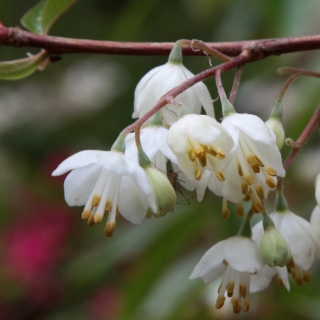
21, 68
41, 17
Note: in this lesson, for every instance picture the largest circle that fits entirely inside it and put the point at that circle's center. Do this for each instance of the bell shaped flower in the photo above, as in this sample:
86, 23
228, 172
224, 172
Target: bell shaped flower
107, 182
200, 143
161, 80
240, 257
256, 160
299, 235
315, 221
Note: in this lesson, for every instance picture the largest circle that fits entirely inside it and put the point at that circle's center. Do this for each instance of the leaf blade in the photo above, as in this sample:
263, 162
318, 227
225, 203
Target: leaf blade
32, 19
21, 68
52, 10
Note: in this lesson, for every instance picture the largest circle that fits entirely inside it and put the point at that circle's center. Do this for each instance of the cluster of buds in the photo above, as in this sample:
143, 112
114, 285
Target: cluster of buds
238, 159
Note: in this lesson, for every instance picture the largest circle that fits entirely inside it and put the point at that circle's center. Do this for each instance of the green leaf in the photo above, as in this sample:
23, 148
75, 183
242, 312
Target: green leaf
52, 10
40, 18
21, 68
32, 20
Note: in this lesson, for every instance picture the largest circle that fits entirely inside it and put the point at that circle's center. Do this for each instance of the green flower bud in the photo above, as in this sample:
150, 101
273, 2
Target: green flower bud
275, 125
164, 193
274, 249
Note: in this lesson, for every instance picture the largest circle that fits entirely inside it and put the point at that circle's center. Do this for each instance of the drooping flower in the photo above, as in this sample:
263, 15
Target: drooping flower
107, 182
161, 80
317, 192
240, 256
255, 163
301, 238
199, 143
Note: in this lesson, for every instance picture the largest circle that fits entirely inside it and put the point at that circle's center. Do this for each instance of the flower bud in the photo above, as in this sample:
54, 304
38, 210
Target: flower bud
164, 193
274, 249
275, 125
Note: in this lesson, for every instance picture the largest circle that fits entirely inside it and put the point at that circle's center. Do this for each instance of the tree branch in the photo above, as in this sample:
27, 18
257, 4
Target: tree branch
58, 45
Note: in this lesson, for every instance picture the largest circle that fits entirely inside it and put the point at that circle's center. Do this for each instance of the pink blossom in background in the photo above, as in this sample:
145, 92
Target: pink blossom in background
104, 304
34, 242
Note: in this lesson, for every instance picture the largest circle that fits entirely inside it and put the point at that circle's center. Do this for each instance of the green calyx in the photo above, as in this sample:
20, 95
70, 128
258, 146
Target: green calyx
143, 159
276, 112
175, 56
281, 203
156, 120
120, 144
227, 107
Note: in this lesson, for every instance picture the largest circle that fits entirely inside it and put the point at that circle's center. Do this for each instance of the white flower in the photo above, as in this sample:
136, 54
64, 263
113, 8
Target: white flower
318, 189
199, 143
106, 181
162, 79
301, 238
315, 221
240, 257
154, 144
256, 160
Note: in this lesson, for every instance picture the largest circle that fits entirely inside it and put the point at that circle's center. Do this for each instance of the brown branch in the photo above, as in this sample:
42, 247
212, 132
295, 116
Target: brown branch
58, 45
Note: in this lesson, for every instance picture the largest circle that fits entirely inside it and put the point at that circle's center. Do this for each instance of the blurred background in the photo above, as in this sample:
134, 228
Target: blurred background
53, 266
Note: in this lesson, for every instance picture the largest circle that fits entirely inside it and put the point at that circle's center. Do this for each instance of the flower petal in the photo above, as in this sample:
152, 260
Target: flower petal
211, 261
79, 184
78, 160
133, 205
243, 254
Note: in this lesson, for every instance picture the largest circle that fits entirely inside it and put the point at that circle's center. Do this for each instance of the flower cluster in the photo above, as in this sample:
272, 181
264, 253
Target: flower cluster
237, 159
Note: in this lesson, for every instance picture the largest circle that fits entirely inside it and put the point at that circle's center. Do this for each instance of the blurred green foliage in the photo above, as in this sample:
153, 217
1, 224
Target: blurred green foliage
83, 102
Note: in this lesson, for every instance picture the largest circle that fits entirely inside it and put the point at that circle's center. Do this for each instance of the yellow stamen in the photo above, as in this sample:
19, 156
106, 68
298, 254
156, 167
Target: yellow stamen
221, 155
86, 214
253, 164
271, 171
260, 191
197, 174
240, 170
220, 302
234, 301
198, 150
108, 230
246, 305
220, 176
259, 161
249, 179
306, 276
237, 309
243, 290
108, 206
270, 183
95, 200
192, 155
244, 188
202, 159
90, 221
239, 210
230, 287
97, 218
